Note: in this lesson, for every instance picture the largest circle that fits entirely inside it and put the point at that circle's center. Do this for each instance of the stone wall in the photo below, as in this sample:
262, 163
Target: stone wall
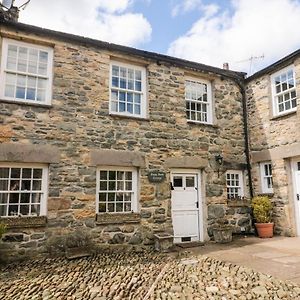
78, 123
274, 139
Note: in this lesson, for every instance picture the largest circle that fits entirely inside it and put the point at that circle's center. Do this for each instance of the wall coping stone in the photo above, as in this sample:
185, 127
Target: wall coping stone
188, 162
24, 222
117, 158
17, 152
117, 218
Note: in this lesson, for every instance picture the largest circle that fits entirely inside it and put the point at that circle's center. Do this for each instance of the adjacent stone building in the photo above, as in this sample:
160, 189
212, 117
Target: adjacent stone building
107, 145
274, 131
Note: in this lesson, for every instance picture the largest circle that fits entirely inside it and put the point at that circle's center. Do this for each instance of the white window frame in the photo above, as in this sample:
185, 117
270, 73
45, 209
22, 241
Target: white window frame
143, 92
264, 177
209, 102
44, 186
275, 95
240, 186
134, 200
4, 71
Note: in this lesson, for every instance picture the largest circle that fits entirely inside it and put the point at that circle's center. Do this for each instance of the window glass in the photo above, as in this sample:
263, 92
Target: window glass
117, 190
26, 75
198, 104
21, 191
234, 184
266, 177
284, 92
126, 93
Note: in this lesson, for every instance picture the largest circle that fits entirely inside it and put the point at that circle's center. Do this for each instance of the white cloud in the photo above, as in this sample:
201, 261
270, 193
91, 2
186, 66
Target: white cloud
106, 20
269, 27
186, 6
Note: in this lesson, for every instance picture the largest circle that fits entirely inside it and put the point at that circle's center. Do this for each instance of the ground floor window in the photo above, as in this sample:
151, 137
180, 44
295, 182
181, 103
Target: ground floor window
234, 184
116, 190
266, 177
23, 190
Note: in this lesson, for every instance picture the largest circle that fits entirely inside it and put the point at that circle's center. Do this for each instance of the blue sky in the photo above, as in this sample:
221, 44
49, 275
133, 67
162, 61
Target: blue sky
210, 32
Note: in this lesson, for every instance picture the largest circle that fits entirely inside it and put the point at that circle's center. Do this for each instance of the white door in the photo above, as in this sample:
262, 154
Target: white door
185, 207
297, 193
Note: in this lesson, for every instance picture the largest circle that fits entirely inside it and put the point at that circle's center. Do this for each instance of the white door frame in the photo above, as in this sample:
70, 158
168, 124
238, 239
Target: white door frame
294, 168
199, 195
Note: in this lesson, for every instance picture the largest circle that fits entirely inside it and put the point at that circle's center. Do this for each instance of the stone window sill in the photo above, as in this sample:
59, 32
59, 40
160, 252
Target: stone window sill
270, 195
24, 222
117, 218
288, 113
26, 103
116, 116
190, 122
238, 203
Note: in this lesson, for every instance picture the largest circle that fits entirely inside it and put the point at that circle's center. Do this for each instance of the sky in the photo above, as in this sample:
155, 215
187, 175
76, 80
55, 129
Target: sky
248, 34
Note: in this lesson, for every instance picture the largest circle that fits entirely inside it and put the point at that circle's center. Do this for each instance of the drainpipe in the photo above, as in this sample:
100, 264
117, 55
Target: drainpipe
247, 148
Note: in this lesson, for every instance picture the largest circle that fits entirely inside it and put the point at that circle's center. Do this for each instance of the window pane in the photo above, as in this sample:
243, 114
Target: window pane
43, 57
177, 181
103, 175
3, 198
9, 91
37, 173
190, 181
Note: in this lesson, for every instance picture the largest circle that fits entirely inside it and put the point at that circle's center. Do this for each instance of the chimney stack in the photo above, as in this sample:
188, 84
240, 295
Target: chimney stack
11, 14
226, 66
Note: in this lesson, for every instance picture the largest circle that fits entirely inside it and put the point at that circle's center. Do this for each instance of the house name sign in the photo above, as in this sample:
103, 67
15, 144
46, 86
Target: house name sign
156, 176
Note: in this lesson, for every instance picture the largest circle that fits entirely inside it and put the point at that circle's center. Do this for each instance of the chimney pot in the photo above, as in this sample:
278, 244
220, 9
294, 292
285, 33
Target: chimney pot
226, 66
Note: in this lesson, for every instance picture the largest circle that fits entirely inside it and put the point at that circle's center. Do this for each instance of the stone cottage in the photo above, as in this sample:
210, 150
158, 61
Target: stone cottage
274, 130
116, 143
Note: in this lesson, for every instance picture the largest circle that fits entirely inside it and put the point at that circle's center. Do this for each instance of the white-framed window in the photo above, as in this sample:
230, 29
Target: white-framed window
198, 98
266, 177
26, 72
127, 90
284, 91
116, 190
23, 190
234, 184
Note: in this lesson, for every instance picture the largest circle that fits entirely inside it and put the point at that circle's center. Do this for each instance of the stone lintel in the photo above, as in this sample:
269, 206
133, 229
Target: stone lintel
117, 158
17, 152
234, 165
280, 152
188, 162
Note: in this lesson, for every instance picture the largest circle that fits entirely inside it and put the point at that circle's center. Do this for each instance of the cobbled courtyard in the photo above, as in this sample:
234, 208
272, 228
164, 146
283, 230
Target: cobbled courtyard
139, 276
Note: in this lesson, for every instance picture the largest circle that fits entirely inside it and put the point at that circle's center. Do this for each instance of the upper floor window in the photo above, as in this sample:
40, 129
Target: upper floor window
128, 90
266, 177
198, 101
116, 190
284, 91
234, 184
26, 72
23, 190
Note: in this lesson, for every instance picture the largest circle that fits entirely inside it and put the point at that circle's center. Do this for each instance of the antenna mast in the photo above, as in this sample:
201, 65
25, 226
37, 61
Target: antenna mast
10, 12
251, 59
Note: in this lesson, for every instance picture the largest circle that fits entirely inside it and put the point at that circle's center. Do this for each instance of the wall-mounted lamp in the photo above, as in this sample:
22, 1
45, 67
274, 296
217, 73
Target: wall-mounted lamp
219, 160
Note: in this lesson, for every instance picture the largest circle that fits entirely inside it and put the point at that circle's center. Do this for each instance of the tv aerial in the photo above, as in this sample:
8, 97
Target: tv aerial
10, 4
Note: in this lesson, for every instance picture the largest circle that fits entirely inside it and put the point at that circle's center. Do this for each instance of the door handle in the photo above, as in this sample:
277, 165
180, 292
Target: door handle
298, 197
197, 204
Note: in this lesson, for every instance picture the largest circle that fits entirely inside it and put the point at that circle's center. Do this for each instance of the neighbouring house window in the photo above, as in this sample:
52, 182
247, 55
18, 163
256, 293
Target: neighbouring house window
23, 190
117, 190
284, 91
26, 72
198, 101
266, 177
128, 90
234, 183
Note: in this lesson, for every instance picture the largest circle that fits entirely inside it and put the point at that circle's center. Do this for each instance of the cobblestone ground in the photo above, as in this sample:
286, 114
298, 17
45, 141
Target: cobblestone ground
139, 276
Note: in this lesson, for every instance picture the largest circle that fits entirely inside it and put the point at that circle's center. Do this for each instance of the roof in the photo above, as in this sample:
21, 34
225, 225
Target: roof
285, 61
123, 49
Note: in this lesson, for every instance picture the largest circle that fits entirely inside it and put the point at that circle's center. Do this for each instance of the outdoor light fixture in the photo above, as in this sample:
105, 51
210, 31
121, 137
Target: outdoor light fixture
219, 159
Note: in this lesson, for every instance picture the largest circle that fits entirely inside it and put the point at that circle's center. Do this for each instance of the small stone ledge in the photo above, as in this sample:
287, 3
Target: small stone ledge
238, 203
270, 195
24, 222
117, 218
47, 106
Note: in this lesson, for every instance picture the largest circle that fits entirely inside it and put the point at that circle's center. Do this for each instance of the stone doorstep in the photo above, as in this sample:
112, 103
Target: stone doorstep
163, 241
78, 252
